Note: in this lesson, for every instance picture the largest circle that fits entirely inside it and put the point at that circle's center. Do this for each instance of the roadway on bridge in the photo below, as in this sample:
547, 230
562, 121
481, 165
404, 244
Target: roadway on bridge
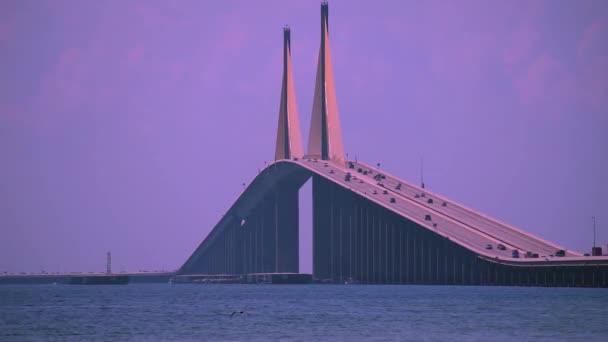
521, 240
439, 223
468, 228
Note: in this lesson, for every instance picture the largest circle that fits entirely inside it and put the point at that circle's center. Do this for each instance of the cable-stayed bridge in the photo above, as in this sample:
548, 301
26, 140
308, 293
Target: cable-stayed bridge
369, 226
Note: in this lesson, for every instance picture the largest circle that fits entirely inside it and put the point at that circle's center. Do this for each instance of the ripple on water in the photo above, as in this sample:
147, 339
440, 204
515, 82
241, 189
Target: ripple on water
301, 312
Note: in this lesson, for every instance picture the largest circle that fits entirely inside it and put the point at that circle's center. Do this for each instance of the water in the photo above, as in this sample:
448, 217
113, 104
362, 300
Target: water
150, 312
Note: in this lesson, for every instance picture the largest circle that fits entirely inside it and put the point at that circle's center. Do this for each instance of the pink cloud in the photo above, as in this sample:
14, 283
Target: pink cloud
223, 47
6, 28
236, 36
521, 45
8, 112
135, 54
546, 80
177, 71
103, 71
62, 87
593, 40
91, 76
463, 57
541, 75
8, 21
370, 70
592, 60
151, 16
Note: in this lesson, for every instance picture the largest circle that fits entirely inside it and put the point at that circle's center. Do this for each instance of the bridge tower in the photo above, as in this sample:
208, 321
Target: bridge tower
325, 137
289, 138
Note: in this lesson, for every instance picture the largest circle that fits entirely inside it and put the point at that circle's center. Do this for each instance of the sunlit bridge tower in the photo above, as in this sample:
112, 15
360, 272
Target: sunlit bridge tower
325, 142
289, 138
325, 138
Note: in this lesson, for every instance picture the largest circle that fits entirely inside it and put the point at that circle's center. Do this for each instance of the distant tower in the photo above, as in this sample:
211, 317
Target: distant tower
109, 263
325, 139
289, 138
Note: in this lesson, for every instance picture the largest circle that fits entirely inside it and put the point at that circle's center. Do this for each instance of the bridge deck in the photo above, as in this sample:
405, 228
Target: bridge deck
471, 230
517, 238
462, 225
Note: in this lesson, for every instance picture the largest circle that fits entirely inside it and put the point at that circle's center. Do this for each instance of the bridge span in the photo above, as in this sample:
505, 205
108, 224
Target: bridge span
370, 226
361, 236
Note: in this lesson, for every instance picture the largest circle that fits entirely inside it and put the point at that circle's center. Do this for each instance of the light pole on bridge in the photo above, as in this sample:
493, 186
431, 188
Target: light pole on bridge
593, 218
422, 172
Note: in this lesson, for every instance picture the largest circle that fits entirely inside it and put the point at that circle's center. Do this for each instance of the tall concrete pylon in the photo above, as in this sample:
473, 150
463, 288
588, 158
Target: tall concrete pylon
325, 137
289, 137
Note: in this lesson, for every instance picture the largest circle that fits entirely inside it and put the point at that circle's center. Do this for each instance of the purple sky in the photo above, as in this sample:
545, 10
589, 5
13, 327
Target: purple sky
131, 125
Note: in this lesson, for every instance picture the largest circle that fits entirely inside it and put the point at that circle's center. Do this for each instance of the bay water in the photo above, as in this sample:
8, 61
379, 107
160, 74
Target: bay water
172, 312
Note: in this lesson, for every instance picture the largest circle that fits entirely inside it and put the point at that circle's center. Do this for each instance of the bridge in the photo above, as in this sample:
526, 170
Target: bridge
369, 226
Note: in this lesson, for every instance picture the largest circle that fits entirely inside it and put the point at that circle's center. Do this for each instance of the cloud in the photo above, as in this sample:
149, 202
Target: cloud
235, 37
521, 44
6, 28
119, 62
541, 77
64, 85
8, 112
592, 60
463, 57
544, 79
476, 45
152, 15
8, 25
135, 54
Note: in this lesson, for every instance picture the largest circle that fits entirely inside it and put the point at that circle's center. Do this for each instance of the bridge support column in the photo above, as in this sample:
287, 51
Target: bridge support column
321, 234
286, 231
274, 237
333, 225
359, 240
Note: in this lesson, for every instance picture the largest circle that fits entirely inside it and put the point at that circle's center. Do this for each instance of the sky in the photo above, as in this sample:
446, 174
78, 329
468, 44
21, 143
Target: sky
130, 126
